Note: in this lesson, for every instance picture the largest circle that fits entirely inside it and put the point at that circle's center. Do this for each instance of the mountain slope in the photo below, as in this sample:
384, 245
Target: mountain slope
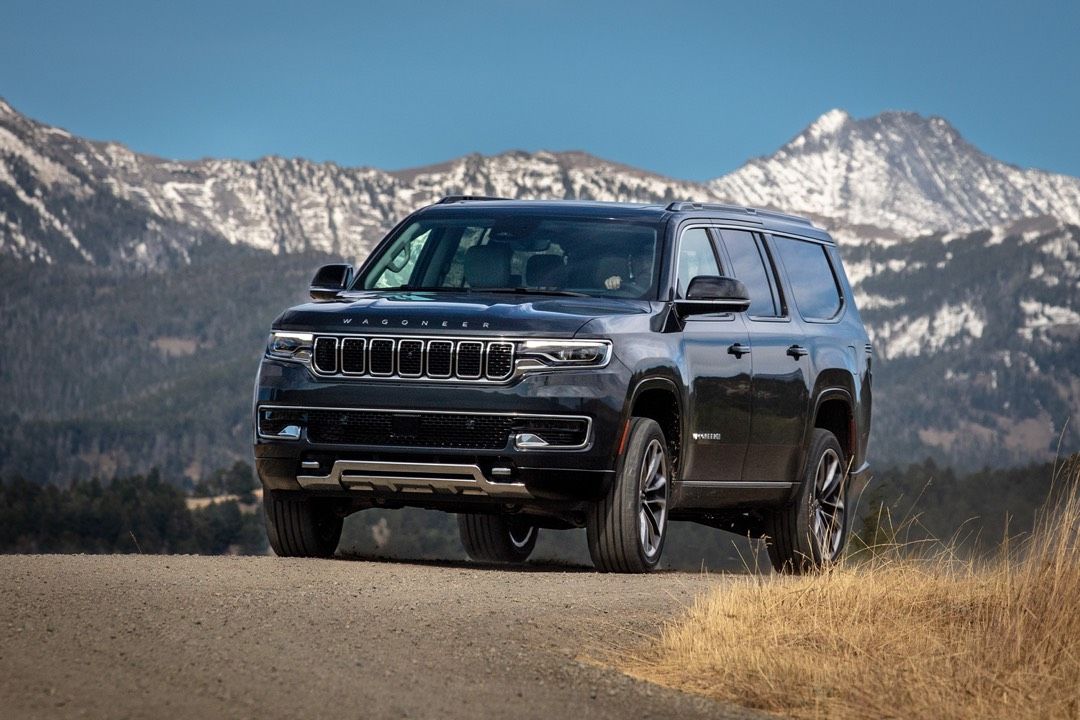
900, 171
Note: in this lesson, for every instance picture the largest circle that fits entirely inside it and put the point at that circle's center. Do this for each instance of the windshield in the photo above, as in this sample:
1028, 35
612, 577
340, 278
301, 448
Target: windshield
541, 254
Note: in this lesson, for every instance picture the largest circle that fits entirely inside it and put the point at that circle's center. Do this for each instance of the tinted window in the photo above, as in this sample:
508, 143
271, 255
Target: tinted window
696, 257
748, 265
518, 251
812, 281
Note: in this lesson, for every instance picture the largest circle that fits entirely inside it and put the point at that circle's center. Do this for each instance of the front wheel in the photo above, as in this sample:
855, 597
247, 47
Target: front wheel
626, 529
810, 533
497, 538
299, 526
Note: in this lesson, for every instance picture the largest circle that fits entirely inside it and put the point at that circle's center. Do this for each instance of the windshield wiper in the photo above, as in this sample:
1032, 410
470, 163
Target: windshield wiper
408, 288
532, 291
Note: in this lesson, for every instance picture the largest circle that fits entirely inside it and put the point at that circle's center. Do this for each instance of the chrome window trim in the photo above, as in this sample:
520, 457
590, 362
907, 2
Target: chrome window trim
407, 411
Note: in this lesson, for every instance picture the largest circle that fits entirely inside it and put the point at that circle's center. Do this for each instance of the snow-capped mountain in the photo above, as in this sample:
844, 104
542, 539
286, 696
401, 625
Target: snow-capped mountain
63, 197
897, 171
66, 198
966, 270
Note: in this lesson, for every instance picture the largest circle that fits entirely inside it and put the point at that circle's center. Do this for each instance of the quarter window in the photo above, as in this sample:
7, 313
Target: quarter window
696, 257
749, 266
813, 283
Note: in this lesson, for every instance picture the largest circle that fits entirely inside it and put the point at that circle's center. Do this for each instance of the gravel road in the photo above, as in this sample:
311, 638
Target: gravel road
184, 636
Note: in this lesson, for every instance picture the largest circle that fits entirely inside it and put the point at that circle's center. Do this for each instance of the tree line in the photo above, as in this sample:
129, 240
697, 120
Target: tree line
135, 514
148, 514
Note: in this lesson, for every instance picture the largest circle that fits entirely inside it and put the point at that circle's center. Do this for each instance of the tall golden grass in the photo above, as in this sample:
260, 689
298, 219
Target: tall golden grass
905, 634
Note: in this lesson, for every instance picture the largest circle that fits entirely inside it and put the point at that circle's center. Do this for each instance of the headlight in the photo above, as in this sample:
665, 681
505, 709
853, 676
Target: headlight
565, 353
290, 346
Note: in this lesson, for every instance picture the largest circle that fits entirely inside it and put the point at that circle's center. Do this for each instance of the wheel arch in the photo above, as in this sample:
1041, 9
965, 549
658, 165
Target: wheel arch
657, 398
834, 410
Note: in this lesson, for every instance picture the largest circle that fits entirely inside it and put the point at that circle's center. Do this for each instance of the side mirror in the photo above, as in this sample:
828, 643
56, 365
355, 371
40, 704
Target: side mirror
713, 294
329, 280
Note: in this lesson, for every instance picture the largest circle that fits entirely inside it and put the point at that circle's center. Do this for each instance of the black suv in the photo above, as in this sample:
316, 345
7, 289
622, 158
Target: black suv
560, 364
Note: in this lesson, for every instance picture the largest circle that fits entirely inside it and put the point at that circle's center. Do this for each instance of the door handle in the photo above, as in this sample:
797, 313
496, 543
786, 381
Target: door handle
797, 351
738, 350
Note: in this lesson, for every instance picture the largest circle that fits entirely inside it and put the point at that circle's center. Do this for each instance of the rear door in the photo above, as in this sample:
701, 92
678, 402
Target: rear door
717, 372
780, 391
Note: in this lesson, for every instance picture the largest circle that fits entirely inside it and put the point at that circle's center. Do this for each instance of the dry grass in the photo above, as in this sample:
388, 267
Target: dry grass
925, 636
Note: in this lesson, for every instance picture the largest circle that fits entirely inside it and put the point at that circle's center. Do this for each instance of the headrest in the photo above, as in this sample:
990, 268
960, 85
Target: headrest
488, 265
544, 271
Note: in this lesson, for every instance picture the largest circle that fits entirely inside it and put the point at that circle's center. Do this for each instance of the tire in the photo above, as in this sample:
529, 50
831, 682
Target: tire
299, 526
810, 532
626, 529
497, 538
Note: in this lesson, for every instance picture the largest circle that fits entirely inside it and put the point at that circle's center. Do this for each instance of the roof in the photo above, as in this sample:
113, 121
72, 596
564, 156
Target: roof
766, 219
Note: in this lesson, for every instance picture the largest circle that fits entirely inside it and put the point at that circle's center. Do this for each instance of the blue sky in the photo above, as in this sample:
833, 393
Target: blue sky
688, 89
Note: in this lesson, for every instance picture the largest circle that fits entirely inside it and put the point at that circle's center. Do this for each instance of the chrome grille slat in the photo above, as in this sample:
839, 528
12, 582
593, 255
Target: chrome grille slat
324, 358
440, 358
353, 351
470, 360
410, 358
381, 361
499, 360
413, 358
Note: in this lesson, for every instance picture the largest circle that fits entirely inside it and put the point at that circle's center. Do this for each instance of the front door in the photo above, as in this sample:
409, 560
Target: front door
716, 351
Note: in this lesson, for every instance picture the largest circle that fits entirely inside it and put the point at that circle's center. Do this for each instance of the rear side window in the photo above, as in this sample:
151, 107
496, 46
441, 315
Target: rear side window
813, 282
754, 270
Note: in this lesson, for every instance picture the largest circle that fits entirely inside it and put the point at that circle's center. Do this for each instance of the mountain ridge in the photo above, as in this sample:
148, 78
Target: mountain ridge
896, 172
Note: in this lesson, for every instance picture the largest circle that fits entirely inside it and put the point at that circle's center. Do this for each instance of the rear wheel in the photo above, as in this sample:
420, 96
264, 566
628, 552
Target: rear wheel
626, 529
299, 526
497, 538
811, 532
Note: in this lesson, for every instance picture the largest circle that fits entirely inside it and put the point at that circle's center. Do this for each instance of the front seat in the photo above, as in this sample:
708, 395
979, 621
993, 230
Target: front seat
545, 271
488, 266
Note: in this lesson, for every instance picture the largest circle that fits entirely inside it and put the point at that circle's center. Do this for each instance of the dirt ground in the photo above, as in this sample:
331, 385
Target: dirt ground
185, 636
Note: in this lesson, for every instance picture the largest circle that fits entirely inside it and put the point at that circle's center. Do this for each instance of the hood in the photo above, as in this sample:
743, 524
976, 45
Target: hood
472, 313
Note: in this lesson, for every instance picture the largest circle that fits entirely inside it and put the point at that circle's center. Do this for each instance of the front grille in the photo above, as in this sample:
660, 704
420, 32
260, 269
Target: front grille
365, 427
413, 357
463, 431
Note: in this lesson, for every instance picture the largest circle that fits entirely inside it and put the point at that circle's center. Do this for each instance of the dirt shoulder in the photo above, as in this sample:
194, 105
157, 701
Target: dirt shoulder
139, 636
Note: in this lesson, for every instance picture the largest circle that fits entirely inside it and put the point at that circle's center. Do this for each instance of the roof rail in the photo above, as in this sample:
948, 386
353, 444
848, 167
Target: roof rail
680, 206
463, 198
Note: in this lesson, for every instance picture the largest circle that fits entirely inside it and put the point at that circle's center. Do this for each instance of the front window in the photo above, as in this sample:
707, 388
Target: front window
519, 253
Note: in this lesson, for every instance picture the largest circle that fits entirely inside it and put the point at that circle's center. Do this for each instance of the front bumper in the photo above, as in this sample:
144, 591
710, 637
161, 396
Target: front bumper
426, 473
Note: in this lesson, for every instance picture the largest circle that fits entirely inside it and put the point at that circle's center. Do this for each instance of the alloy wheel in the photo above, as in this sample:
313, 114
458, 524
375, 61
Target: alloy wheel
653, 484
827, 505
